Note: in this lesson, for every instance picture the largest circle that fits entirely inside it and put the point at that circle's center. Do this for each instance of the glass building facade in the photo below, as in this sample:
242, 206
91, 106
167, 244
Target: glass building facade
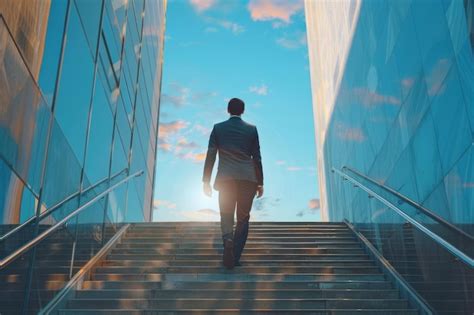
393, 99
80, 88
393, 90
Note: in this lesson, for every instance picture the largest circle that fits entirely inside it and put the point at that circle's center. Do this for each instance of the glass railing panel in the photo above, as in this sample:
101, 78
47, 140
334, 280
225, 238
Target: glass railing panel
52, 265
13, 280
429, 219
444, 281
49, 264
90, 232
55, 214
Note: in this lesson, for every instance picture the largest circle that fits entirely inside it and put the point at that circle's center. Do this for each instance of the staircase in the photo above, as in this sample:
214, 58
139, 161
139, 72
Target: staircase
288, 268
444, 282
51, 267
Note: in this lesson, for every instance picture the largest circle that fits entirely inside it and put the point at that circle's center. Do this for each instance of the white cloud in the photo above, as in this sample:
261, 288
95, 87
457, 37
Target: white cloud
210, 29
294, 168
159, 203
178, 95
259, 90
292, 42
203, 130
234, 27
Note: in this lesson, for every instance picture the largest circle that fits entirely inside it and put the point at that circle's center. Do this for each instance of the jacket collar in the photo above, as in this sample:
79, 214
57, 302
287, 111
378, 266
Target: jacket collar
235, 116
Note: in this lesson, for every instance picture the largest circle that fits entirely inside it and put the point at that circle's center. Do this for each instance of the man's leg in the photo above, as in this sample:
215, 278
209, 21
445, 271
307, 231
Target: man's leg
227, 202
246, 193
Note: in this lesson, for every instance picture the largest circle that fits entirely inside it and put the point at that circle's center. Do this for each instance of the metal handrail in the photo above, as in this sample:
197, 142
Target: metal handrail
435, 237
17, 253
426, 211
55, 207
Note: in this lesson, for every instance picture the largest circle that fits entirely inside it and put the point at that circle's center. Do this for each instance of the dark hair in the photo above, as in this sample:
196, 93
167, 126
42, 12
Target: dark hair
236, 106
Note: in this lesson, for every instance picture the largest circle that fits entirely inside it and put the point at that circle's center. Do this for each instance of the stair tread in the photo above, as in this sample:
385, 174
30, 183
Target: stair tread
287, 268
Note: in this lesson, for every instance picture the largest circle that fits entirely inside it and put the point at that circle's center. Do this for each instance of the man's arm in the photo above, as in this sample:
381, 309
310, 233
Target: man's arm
257, 160
210, 157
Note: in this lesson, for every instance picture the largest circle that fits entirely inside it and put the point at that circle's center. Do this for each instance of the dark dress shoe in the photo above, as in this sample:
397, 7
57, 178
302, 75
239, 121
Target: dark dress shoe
228, 258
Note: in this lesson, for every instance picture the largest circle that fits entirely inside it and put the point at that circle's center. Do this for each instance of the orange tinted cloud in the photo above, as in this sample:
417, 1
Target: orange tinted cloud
280, 10
314, 203
167, 129
195, 157
163, 203
202, 5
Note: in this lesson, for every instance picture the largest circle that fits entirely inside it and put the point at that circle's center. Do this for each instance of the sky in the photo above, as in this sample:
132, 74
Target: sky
254, 50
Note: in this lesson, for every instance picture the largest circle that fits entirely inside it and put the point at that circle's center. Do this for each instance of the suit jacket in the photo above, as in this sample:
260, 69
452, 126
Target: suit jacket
239, 152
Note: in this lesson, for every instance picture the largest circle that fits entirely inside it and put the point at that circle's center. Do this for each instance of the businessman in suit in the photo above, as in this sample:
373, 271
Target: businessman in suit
239, 177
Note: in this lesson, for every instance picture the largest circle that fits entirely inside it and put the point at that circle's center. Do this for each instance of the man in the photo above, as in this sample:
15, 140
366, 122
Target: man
239, 177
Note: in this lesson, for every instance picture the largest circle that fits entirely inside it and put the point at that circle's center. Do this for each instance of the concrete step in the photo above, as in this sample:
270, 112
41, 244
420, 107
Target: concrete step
43, 285
234, 311
241, 303
43, 270
204, 245
18, 295
218, 262
238, 284
217, 232
250, 251
251, 224
12, 278
245, 256
170, 239
176, 268
233, 276
244, 269
233, 293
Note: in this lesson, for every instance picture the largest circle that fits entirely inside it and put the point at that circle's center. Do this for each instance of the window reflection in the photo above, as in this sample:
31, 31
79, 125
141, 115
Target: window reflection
46, 75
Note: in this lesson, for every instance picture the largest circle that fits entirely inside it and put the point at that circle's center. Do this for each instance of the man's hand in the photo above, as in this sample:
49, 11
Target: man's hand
259, 191
207, 189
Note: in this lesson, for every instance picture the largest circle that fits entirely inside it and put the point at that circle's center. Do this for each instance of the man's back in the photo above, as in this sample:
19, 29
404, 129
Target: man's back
239, 177
239, 152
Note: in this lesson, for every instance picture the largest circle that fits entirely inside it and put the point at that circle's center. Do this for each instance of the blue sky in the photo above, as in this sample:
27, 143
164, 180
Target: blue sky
255, 50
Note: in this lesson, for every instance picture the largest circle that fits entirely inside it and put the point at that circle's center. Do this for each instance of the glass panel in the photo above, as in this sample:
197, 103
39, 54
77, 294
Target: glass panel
460, 240
112, 34
426, 160
451, 121
134, 208
100, 136
459, 185
50, 261
89, 13
107, 65
17, 202
138, 162
117, 204
441, 279
63, 170
52, 48
24, 116
119, 158
74, 96
62, 254
434, 41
